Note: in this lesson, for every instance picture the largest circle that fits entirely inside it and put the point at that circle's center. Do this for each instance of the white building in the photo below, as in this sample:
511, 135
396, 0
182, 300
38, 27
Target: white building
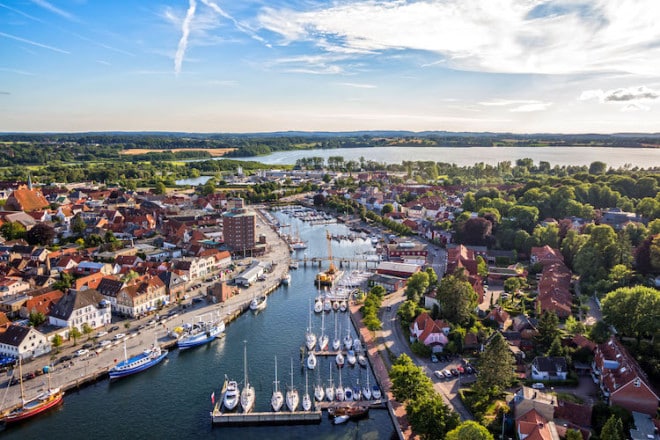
78, 308
24, 342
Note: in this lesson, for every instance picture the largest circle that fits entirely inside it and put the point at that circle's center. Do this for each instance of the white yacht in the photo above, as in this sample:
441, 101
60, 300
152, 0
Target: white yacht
277, 400
247, 393
292, 397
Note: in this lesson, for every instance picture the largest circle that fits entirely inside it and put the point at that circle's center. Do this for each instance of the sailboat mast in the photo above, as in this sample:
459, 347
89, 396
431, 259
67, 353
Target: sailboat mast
20, 376
245, 375
276, 381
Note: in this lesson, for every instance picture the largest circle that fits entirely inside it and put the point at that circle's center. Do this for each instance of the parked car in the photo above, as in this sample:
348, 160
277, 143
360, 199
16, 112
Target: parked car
114, 328
460, 369
469, 369
434, 359
454, 372
447, 374
88, 345
104, 343
100, 334
439, 374
119, 336
81, 352
538, 386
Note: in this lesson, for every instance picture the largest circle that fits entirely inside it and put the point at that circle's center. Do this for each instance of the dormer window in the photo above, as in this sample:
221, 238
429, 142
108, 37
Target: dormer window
637, 383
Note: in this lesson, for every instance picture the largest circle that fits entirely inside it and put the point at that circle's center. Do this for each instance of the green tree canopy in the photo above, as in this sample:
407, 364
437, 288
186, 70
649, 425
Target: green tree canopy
613, 429
430, 417
633, 311
457, 298
408, 380
417, 285
548, 329
470, 430
496, 366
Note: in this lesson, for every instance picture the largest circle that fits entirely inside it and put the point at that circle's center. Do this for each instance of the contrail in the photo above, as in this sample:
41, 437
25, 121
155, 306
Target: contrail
34, 43
238, 25
183, 42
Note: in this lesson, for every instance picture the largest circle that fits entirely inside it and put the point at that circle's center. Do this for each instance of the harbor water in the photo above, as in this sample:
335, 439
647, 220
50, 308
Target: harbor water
173, 399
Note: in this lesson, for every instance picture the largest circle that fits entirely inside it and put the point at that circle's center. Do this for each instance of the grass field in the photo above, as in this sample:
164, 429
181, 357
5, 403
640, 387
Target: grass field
211, 151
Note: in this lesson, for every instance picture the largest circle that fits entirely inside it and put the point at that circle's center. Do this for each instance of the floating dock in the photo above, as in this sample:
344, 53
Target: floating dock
266, 418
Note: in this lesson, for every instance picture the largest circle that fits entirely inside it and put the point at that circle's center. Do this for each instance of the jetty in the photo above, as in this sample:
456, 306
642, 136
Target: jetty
265, 418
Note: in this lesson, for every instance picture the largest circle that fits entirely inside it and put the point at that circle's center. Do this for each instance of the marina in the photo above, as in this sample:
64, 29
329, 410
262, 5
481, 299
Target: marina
179, 389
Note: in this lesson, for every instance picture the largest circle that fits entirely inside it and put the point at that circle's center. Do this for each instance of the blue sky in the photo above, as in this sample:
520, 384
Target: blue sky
269, 65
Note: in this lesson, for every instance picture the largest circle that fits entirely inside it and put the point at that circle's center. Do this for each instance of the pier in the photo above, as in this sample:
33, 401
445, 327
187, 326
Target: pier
266, 418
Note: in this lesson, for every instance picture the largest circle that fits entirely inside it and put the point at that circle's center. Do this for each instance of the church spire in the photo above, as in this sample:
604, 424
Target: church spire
30, 182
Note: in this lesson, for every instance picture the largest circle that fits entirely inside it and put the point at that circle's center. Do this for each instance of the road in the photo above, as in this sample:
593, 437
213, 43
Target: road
140, 334
394, 341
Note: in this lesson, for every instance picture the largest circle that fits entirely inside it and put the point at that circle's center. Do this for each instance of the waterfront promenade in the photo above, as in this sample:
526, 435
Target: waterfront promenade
95, 365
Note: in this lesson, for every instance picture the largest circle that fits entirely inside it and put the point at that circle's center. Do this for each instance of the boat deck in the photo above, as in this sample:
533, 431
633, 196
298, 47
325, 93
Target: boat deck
266, 418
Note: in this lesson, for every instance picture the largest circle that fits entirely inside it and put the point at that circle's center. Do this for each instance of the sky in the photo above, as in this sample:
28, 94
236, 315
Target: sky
240, 66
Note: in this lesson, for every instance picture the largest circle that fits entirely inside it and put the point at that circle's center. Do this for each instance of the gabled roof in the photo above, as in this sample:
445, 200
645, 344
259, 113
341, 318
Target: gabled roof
43, 303
27, 200
73, 301
552, 365
14, 335
533, 426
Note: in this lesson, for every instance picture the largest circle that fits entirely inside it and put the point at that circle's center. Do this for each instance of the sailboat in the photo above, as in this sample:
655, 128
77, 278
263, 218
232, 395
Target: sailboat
292, 397
362, 359
277, 400
323, 340
311, 360
348, 341
339, 359
306, 400
330, 389
336, 342
247, 393
343, 306
375, 392
42, 402
318, 304
319, 394
351, 358
310, 337
339, 391
366, 390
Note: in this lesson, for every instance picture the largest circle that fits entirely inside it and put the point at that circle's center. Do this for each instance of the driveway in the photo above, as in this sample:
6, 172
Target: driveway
393, 339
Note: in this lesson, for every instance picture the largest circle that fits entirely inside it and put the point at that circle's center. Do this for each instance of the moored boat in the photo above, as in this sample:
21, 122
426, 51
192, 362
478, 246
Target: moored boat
247, 393
319, 393
343, 306
348, 411
330, 389
231, 396
286, 279
41, 403
375, 392
350, 358
277, 399
362, 359
258, 303
339, 359
310, 337
311, 360
306, 400
147, 359
292, 397
200, 333
366, 390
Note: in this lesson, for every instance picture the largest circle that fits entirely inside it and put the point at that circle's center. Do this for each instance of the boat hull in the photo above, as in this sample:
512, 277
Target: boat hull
200, 339
24, 413
118, 374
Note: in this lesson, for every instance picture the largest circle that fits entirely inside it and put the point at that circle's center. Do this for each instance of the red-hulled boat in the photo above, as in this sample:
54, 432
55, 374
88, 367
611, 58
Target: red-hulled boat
29, 408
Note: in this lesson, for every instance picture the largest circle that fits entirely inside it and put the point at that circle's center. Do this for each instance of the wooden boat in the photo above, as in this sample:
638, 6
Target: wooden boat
352, 411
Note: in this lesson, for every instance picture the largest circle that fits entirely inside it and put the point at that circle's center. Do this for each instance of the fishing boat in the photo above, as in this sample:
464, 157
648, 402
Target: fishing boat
231, 395
323, 340
200, 333
247, 393
339, 359
258, 303
277, 399
366, 390
311, 360
350, 358
286, 279
147, 359
319, 394
306, 400
339, 391
292, 397
310, 337
41, 403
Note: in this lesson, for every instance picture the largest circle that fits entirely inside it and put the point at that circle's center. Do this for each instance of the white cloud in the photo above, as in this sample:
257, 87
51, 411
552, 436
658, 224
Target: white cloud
34, 43
185, 32
506, 36
635, 107
357, 85
54, 9
625, 94
521, 105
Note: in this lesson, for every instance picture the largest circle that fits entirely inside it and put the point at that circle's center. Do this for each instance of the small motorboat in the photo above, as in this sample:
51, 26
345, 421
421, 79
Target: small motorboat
340, 419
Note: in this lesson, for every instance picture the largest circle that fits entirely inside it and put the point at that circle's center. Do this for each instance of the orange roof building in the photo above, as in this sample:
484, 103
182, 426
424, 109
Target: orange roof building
26, 200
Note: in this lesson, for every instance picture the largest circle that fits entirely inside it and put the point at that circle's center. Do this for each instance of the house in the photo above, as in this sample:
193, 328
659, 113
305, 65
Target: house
621, 380
41, 302
429, 332
23, 342
545, 255
26, 200
400, 270
75, 309
549, 368
501, 317
527, 398
554, 292
109, 288
533, 426
12, 286
175, 286
142, 296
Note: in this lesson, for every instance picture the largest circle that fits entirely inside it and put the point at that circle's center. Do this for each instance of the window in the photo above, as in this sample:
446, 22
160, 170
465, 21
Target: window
637, 383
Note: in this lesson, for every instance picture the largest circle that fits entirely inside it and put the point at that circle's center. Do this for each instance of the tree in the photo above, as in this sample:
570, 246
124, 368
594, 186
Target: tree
613, 429
78, 225
475, 231
12, 230
457, 298
496, 366
159, 188
556, 350
319, 199
407, 312
57, 342
387, 208
75, 334
430, 417
433, 277
633, 311
513, 284
597, 167
37, 318
470, 430
208, 188
417, 285
573, 434
524, 217
548, 329
87, 329
597, 256
65, 282
408, 380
